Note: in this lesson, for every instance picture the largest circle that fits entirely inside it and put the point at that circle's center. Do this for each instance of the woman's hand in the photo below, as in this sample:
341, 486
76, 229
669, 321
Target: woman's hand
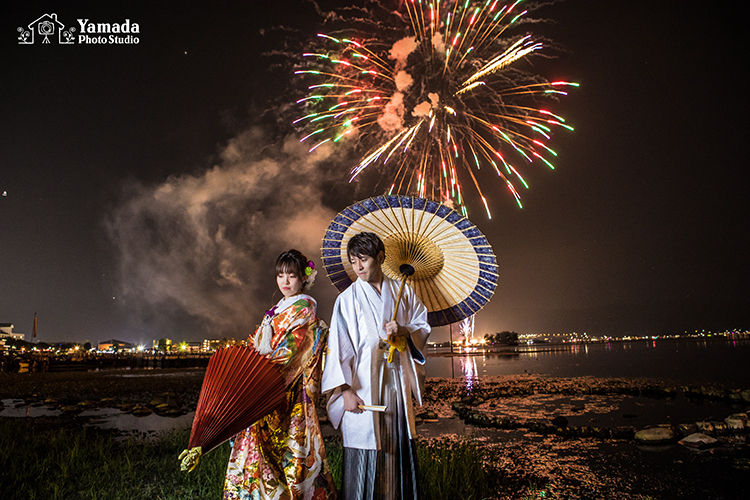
351, 400
393, 329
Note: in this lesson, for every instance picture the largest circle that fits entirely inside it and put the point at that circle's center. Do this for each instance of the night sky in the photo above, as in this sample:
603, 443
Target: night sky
147, 189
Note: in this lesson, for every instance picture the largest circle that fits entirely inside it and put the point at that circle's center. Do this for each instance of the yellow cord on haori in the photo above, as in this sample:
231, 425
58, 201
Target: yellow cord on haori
397, 344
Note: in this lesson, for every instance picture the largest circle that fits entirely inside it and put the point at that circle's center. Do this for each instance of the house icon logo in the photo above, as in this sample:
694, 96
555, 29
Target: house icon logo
46, 29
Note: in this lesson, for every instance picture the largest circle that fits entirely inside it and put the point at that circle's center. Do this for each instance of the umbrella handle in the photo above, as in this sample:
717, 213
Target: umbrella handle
398, 299
399, 343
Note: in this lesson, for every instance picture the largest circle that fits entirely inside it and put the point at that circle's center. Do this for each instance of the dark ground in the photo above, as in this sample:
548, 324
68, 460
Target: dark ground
542, 466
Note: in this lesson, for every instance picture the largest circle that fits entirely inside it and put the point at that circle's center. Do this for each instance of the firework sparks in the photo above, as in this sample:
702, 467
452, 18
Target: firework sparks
440, 102
467, 329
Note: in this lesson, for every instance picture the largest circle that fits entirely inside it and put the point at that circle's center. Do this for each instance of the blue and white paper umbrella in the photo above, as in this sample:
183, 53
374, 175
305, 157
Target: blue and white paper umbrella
455, 270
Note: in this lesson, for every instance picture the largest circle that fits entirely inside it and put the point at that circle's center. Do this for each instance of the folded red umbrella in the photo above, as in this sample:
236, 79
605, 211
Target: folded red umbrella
241, 386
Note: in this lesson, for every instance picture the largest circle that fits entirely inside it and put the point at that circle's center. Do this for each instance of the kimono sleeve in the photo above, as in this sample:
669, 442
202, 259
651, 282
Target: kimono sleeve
341, 358
340, 362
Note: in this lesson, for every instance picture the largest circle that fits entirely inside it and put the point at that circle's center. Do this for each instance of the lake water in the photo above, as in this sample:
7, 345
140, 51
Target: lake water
685, 361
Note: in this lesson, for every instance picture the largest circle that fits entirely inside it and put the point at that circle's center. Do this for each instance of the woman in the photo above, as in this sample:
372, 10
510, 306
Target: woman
282, 456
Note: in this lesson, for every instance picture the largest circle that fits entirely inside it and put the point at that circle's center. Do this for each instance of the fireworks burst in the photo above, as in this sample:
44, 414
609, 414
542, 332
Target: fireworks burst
439, 103
467, 329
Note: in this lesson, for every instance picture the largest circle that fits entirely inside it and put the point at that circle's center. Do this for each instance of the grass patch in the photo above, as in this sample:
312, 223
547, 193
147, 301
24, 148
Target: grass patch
448, 469
42, 461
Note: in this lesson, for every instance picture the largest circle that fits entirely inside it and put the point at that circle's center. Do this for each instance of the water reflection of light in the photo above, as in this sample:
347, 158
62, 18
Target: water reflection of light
469, 369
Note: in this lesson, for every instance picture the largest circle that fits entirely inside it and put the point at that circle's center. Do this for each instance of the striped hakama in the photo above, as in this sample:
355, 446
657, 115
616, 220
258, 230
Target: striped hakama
391, 472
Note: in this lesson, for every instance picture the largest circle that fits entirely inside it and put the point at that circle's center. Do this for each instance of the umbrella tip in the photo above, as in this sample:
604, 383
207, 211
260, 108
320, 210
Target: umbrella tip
406, 269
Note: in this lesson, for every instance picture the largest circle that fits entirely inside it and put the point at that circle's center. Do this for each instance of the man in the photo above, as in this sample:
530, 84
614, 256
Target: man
380, 459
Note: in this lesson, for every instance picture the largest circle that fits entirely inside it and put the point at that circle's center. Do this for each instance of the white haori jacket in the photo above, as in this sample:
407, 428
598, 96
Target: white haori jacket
353, 357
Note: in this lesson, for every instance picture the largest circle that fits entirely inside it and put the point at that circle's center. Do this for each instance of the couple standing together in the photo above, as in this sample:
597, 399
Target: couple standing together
282, 456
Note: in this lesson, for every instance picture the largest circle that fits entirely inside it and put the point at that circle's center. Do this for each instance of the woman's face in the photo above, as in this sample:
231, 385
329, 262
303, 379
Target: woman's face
289, 283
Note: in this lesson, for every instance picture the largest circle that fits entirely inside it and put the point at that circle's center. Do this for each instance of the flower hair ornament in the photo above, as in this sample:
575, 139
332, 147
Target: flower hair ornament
310, 274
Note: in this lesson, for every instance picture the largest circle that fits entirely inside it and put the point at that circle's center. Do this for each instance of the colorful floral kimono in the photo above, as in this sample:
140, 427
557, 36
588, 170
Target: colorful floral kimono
282, 456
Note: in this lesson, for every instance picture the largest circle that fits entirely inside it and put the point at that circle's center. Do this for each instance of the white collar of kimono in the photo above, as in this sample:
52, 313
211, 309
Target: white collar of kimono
288, 301
381, 304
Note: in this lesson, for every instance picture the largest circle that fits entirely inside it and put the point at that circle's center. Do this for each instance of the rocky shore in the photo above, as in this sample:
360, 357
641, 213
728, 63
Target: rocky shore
554, 433
564, 438
483, 408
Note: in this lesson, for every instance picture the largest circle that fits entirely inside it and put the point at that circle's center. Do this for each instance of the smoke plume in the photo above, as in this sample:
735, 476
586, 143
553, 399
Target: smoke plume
205, 245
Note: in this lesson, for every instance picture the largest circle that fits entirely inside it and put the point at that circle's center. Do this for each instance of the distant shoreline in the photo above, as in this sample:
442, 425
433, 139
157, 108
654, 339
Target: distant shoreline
512, 350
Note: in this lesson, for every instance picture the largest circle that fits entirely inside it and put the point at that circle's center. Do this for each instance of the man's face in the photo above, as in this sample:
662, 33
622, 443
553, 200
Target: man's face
368, 268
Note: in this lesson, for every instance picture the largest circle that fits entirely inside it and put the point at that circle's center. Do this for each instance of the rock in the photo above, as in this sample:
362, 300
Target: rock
623, 432
430, 415
560, 422
699, 441
713, 392
563, 431
535, 427
601, 432
735, 396
687, 429
720, 427
585, 431
459, 408
141, 410
735, 423
706, 428
656, 435
167, 398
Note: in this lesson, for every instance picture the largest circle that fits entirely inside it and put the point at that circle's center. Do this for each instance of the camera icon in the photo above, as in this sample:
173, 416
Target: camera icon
46, 28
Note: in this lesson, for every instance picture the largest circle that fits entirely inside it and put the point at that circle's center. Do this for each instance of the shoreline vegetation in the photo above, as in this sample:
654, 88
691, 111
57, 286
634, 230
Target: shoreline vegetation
482, 440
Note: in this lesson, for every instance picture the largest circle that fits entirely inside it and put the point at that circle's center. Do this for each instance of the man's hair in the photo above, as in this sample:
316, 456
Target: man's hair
365, 243
292, 261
